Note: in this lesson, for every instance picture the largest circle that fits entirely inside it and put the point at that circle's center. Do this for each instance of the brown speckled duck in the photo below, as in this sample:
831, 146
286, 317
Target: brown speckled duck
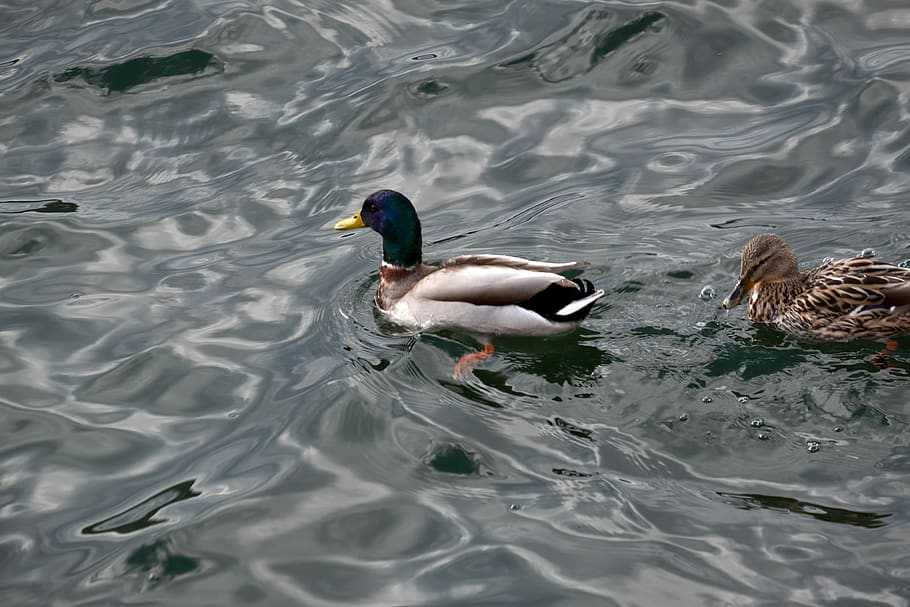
855, 298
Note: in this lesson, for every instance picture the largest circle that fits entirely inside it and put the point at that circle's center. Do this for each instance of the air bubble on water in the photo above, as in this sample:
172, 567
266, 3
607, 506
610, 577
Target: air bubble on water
905, 263
812, 446
867, 253
514, 507
757, 422
707, 293
684, 417
838, 428
763, 436
707, 399
827, 260
743, 400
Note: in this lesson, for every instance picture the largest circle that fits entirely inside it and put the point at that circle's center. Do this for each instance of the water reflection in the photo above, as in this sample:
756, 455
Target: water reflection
141, 516
869, 520
595, 36
158, 562
121, 77
454, 459
52, 205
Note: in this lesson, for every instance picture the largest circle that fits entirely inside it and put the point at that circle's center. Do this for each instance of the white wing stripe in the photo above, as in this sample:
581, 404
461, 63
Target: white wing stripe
577, 305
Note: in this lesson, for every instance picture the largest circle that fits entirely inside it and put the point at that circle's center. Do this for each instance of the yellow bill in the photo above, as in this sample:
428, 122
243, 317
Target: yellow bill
351, 223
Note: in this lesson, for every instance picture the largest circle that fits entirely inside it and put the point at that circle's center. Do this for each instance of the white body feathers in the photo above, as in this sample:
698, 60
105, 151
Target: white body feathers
481, 294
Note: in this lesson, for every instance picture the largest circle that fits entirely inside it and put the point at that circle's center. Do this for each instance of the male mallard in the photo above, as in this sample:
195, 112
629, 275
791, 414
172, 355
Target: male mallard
859, 297
483, 294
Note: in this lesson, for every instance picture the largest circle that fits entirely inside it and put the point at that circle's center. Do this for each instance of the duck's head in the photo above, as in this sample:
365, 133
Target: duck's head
392, 215
765, 258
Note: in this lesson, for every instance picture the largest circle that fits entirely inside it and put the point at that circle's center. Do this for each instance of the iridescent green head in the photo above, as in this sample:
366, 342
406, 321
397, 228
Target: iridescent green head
392, 215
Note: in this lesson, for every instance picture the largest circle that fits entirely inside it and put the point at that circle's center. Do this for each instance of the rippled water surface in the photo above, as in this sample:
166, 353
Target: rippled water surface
199, 405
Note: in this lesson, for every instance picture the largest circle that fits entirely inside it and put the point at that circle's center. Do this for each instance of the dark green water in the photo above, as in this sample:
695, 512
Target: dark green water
199, 406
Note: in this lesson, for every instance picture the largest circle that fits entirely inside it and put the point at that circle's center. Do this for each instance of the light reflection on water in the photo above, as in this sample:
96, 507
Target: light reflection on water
200, 404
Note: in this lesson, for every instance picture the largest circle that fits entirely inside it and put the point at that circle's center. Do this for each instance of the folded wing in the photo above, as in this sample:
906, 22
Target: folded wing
495, 280
852, 285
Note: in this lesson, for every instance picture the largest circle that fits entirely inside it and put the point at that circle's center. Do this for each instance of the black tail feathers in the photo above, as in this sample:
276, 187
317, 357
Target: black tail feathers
557, 296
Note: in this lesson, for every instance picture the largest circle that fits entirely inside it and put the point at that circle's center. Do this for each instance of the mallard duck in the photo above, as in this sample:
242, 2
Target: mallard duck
485, 295
859, 297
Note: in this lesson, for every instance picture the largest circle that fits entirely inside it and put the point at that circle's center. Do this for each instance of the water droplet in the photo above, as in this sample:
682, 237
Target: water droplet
757, 422
684, 417
763, 436
812, 446
514, 507
838, 428
743, 400
707, 293
707, 399
867, 253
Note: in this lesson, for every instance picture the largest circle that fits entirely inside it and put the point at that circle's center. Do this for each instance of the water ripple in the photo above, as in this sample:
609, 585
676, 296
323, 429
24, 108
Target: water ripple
199, 398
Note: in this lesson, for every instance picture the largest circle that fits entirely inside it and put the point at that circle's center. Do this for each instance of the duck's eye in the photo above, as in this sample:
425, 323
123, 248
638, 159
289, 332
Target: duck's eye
371, 207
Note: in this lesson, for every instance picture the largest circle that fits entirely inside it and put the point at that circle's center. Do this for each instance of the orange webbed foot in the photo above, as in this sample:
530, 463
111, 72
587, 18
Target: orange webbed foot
882, 360
468, 361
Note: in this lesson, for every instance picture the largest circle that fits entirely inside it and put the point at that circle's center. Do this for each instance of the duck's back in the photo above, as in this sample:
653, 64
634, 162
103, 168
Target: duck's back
494, 295
858, 297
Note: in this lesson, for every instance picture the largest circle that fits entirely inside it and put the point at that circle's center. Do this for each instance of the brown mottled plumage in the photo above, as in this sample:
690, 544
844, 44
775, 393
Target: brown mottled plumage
859, 297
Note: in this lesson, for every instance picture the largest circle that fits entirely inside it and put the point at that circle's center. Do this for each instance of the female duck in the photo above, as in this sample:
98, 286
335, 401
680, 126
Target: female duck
483, 294
859, 297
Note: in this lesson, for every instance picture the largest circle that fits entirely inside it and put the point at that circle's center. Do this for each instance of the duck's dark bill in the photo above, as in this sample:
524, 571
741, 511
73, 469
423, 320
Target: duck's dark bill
351, 223
735, 297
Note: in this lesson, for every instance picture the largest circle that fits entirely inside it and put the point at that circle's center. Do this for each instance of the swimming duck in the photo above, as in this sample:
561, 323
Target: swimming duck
859, 297
485, 295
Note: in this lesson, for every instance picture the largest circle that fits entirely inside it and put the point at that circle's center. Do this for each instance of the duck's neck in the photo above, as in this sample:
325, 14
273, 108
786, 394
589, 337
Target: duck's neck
402, 248
391, 272
769, 300
394, 282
